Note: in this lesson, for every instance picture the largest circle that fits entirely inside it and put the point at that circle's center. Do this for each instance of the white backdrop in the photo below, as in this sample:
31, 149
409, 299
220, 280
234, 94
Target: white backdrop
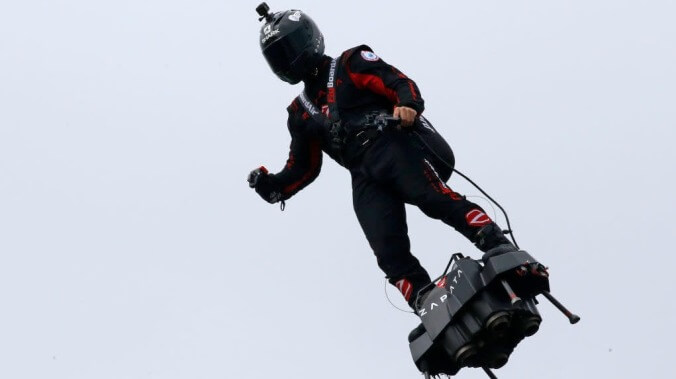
131, 246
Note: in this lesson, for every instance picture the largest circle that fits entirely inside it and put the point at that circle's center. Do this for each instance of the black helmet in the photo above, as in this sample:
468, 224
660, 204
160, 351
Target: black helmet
291, 43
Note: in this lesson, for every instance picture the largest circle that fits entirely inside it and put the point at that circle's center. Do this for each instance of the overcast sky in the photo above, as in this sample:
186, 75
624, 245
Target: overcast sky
131, 246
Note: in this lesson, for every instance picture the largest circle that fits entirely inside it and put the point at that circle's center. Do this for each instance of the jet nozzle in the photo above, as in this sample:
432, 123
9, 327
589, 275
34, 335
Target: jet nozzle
498, 360
466, 355
498, 323
530, 325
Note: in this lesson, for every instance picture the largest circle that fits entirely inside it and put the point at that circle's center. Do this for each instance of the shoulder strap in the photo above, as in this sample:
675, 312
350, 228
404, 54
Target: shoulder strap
311, 109
335, 71
334, 116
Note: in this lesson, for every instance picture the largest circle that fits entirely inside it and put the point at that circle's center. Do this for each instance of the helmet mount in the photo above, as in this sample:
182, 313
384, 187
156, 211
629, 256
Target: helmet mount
264, 11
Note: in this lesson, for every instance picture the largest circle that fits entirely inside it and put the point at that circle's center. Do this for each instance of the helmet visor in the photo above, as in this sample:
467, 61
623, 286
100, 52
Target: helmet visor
282, 55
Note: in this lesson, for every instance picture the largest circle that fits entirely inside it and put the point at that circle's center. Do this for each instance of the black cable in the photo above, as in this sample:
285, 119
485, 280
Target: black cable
509, 225
381, 122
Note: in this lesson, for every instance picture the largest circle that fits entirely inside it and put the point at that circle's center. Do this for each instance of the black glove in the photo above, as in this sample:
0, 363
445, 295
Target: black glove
264, 184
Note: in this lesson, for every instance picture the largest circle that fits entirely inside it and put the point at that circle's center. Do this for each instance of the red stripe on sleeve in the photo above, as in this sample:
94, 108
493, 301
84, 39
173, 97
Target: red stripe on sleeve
410, 85
291, 161
315, 155
375, 84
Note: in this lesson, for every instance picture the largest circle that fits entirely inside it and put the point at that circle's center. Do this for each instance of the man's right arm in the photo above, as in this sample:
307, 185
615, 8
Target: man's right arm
304, 162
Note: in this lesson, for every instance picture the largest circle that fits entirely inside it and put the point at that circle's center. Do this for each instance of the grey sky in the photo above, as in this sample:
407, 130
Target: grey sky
131, 247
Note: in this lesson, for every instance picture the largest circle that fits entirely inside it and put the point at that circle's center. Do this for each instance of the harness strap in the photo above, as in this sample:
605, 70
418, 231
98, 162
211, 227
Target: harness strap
332, 123
334, 129
334, 116
312, 110
316, 114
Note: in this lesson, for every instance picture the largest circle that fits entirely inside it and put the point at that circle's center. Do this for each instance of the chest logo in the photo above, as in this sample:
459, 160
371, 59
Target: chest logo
295, 16
369, 56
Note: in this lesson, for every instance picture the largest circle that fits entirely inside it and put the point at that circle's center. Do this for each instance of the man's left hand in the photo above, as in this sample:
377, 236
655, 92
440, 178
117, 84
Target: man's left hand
406, 115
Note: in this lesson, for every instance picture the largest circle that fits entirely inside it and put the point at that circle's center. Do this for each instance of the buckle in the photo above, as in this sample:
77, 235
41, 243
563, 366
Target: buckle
359, 137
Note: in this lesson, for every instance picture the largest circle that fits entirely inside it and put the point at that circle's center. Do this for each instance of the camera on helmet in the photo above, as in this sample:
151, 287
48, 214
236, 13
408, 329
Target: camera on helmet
264, 11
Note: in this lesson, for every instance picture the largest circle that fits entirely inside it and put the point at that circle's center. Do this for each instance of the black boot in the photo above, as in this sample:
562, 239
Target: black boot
416, 305
419, 300
414, 285
492, 241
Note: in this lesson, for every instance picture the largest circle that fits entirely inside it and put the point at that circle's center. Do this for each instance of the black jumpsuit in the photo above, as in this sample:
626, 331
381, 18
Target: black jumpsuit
395, 169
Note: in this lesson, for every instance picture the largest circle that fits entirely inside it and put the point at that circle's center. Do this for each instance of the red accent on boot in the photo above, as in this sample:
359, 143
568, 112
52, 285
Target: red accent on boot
476, 217
405, 287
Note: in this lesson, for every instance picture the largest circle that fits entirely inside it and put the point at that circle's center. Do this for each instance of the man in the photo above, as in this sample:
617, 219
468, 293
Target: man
389, 166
